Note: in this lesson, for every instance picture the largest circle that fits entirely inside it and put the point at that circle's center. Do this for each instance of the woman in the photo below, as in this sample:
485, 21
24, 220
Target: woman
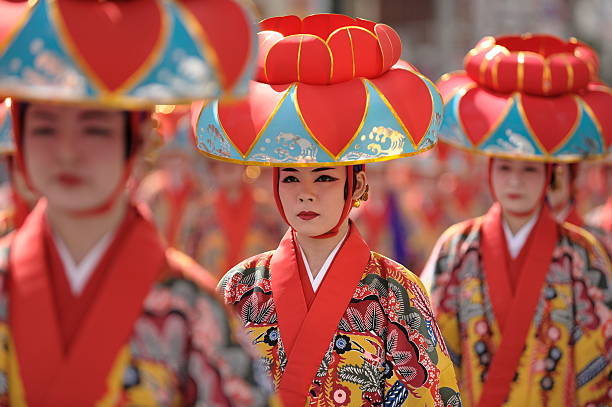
523, 302
562, 198
96, 310
335, 324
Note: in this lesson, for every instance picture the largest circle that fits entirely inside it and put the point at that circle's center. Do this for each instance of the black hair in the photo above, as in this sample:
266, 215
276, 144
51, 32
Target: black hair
356, 169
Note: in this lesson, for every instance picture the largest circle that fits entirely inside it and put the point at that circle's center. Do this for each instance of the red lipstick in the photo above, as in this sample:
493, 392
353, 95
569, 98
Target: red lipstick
307, 215
515, 196
69, 180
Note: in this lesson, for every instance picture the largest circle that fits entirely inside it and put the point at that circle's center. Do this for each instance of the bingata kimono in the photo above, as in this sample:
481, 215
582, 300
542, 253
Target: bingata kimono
535, 330
147, 330
367, 337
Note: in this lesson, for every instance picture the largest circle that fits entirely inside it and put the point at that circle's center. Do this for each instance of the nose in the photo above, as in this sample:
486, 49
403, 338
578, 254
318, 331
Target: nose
515, 178
306, 194
67, 149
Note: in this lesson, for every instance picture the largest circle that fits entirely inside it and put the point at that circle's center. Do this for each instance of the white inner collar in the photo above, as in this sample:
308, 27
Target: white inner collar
79, 274
316, 282
516, 242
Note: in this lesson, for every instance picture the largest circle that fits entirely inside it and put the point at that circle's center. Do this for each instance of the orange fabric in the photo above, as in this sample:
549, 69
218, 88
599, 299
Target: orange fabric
513, 325
235, 218
48, 372
307, 332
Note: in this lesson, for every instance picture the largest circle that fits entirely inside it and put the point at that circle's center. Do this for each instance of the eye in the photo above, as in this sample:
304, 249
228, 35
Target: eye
97, 131
504, 167
43, 131
531, 169
326, 178
290, 178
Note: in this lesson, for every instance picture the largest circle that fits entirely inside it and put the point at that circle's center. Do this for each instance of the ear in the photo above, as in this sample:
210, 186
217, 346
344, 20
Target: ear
360, 185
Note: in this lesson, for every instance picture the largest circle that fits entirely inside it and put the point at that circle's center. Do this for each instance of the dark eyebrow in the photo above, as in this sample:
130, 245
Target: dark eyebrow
322, 169
44, 114
94, 115
289, 169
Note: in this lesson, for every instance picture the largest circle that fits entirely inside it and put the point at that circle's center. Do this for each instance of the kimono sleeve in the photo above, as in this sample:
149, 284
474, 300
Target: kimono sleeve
592, 280
417, 361
440, 279
223, 367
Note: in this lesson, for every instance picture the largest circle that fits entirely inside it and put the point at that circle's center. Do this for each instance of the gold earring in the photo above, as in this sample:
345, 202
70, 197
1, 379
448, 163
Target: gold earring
356, 204
366, 193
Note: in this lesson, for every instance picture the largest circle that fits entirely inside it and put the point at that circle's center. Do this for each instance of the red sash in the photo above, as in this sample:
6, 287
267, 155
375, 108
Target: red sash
79, 376
235, 219
307, 333
513, 326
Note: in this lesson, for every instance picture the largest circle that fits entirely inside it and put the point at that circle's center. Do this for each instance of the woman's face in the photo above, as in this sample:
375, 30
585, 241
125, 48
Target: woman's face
74, 156
312, 198
518, 185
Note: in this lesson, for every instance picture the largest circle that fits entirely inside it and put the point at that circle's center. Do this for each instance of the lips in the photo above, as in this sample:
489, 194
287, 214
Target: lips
307, 215
515, 196
69, 180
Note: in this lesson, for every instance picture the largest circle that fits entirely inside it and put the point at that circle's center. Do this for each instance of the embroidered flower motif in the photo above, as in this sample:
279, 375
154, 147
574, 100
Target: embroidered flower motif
342, 344
271, 337
341, 395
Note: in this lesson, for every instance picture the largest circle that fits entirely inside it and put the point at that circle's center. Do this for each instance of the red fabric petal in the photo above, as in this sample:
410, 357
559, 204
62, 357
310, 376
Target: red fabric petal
315, 63
390, 45
322, 25
243, 120
356, 53
551, 118
281, 61
297, 58
599, 99
104, 33
333, 113
508, 74
266, 39
228, 31
414, 111
480, 110
286, 25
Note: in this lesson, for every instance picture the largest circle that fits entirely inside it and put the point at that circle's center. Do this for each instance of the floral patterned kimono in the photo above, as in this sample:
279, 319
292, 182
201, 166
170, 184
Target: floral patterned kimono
531, 331
147, 330
366, 337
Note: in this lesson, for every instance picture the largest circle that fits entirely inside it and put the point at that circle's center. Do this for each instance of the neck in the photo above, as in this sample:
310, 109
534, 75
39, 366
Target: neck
517, 221
81, 233
317, 250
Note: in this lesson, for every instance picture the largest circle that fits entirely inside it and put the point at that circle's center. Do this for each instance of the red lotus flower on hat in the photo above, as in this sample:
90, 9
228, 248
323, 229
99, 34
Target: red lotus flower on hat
324, 49
540, 65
